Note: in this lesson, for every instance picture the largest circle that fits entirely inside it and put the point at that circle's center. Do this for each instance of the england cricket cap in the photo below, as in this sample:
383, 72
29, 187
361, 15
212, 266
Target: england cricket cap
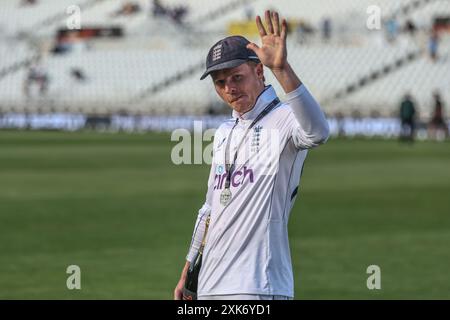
228, 53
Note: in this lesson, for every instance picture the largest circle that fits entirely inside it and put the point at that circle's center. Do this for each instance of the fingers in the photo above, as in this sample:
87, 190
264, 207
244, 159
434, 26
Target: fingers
283, 29
254, 47
276, 23
269, 22
261, 30
272, 20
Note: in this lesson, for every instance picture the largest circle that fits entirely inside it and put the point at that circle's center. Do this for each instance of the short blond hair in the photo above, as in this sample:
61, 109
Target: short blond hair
253, 64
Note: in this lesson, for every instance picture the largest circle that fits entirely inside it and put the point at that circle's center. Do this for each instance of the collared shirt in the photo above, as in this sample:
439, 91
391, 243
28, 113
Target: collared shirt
247, 246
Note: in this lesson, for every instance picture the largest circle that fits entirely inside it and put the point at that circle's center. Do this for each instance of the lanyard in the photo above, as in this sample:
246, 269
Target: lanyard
230, 167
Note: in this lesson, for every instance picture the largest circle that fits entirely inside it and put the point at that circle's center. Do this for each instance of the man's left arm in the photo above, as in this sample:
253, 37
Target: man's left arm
307, 111
273, 54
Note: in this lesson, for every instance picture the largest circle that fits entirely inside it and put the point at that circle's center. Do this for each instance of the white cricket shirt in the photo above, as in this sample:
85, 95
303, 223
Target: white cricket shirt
247, 247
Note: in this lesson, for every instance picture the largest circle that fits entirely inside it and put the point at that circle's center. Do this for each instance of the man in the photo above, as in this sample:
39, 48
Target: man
437, 127
407, 118
258, 157
433, 45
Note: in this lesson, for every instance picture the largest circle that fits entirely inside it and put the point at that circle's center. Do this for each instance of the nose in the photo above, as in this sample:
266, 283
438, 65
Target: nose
230, 88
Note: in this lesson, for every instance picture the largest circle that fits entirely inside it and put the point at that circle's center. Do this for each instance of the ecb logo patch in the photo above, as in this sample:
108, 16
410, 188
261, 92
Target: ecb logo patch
217, 52
255, 139
219, 169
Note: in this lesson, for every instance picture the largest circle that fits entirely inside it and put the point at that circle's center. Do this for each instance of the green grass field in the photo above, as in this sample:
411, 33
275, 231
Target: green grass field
116, 206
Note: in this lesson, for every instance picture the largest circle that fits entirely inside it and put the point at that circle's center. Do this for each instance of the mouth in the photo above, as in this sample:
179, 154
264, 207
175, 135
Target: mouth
236, 99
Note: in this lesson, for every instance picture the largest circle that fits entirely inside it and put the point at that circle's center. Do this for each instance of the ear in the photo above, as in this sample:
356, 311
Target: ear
260, 71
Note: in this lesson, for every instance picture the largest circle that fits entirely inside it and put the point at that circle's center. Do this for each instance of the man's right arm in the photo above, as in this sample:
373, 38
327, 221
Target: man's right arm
205, 210
197, 237
198, 233
178, 292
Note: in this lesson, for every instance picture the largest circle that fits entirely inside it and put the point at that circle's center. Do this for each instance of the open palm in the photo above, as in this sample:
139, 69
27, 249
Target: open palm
272, 53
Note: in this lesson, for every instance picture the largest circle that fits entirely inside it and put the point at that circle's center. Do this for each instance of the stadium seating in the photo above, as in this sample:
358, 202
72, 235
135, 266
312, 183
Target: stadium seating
41, 16
420, 78
155, 67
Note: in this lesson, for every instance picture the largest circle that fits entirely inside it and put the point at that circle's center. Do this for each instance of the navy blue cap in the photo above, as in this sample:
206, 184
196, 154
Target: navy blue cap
228, 53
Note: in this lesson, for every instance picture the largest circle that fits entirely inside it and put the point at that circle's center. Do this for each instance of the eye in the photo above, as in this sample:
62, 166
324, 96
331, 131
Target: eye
219, 83
237, 77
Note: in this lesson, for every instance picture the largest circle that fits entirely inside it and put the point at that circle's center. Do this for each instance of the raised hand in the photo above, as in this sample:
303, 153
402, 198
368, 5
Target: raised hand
272, 53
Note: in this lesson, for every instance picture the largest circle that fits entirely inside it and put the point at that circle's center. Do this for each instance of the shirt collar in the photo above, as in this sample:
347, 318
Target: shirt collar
265, 97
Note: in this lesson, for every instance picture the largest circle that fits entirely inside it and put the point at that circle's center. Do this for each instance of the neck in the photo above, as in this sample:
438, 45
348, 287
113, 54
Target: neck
247, 109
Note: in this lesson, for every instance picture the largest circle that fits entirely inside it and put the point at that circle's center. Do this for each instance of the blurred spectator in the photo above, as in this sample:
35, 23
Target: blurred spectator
433, 44
391, 29
410, 27
127, 9
176, 14
248, 11
437, 127
78, 74
303, 31
28, 2
36, 76
158, 9
61, 48
340, 124
70, 42
407, 118
300, 33
326, 29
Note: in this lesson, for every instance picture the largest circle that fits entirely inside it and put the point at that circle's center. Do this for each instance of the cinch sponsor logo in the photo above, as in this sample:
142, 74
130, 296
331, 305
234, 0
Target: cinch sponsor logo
237, 178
